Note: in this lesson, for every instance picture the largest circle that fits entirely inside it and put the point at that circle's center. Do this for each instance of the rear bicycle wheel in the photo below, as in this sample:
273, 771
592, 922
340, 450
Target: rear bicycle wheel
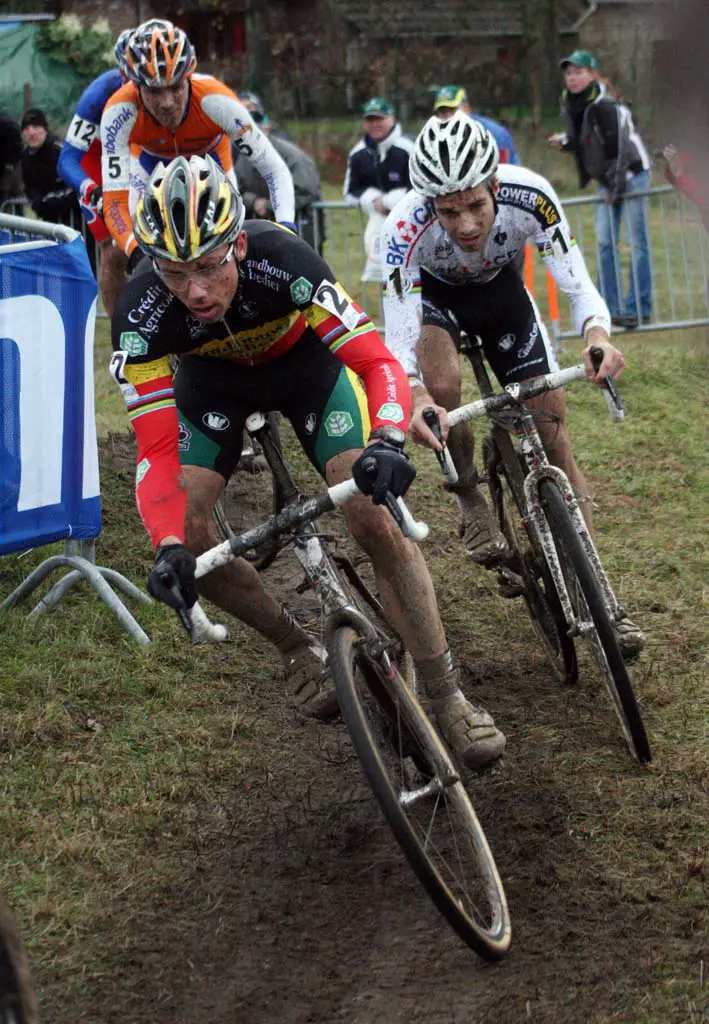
506, 484
587, 598
420, 792
18, 1004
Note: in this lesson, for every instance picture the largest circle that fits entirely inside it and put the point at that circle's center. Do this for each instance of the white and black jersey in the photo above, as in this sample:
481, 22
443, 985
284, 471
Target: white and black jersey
428, 276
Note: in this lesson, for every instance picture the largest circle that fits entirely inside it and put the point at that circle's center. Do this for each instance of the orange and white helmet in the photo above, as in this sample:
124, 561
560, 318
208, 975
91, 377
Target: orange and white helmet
159, 54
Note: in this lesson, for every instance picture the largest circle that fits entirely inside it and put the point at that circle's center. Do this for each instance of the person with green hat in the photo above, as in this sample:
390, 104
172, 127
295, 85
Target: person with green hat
377, 175
608, 149
450, 98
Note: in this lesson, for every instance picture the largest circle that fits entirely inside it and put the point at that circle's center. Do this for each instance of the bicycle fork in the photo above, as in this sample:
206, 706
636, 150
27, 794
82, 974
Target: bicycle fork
540, 525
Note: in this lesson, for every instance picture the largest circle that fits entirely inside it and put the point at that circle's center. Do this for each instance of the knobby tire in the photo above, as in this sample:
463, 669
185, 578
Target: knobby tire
575, 563
506, 484
361, 686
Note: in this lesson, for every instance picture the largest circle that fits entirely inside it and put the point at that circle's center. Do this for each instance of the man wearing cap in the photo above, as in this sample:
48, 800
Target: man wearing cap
51, 198
450, 98
608, 149
377, 175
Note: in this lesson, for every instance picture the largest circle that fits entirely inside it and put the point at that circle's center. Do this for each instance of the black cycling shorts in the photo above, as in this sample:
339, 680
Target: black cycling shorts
501, 313
323, 399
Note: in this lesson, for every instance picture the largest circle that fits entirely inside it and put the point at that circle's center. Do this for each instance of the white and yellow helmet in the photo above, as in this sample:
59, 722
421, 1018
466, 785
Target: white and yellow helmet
451, 156
188, 208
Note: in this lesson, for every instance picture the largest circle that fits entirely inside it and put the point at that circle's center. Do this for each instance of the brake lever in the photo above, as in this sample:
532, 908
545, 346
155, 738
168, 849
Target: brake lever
430, 418
181, 608
610, 389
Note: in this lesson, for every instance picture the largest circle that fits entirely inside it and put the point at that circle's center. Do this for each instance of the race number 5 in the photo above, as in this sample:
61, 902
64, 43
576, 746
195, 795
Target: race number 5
114, 167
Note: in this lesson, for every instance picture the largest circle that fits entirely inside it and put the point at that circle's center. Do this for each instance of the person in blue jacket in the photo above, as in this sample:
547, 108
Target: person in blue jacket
80, 167
450, 98
377, 175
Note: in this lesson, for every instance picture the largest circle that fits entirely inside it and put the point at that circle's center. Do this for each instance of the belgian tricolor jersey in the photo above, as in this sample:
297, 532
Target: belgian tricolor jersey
285, 291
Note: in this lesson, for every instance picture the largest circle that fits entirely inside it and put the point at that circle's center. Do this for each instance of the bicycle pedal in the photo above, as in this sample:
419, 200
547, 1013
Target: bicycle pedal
303, 587
510, 583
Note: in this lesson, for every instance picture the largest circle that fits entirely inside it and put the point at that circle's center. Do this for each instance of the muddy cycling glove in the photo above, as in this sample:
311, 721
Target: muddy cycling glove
383, 469
172, 577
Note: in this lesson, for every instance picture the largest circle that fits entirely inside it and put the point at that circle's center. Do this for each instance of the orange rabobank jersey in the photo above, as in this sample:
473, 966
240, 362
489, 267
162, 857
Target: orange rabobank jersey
133, 143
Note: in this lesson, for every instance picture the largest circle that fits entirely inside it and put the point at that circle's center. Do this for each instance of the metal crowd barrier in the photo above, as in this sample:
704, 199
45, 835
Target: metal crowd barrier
678, 258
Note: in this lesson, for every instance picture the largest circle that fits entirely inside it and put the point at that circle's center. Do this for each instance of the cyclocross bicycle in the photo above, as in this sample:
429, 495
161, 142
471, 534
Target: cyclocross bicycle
554, 564
413, 775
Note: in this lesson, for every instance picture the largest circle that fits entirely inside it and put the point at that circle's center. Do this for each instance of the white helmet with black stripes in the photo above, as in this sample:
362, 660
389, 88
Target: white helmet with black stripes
451, 156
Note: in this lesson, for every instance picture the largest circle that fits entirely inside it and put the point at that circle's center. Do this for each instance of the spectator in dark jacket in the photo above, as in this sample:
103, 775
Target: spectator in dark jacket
608, 149
10, 156
303, 169
52, 200
377, 175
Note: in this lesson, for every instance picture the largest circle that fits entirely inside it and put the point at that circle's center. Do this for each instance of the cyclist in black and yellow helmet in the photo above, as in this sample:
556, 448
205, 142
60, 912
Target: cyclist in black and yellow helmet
261, 323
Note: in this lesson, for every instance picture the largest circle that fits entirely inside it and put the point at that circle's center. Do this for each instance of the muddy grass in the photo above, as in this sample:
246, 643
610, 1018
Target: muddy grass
297, 907
283, 899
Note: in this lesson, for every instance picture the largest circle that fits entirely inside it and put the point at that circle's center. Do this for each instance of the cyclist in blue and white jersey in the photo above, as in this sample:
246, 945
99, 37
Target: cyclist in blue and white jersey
80, 166
448, 250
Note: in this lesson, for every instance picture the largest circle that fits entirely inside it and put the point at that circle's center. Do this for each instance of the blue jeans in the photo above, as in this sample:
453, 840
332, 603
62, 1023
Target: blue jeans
608, 221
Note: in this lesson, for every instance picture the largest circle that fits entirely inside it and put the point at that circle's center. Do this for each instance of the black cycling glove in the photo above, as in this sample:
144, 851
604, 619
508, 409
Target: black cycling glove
383, 469
133, 260
95, 198
172, 577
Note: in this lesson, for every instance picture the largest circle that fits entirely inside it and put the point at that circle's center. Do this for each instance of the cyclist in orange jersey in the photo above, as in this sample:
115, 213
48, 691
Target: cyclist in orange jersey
164, 111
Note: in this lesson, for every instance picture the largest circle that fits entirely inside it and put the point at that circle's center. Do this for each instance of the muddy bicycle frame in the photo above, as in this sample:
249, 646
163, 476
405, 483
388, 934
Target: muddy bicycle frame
507, 411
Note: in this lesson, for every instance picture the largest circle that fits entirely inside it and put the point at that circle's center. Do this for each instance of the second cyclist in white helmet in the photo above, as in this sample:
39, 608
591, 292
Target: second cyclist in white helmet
448, 252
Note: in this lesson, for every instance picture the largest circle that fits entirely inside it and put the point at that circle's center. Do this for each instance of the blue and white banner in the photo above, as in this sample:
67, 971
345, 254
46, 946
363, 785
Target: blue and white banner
49, 481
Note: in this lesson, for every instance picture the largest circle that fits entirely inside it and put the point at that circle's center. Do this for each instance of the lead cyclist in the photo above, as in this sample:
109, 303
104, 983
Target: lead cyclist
448, 251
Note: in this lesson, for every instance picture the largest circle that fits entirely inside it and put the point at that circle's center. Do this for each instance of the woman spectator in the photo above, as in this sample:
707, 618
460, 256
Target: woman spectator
602, 136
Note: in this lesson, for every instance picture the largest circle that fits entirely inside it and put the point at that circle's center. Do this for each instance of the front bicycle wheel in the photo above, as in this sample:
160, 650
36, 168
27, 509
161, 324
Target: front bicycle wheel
506, 485
18, 1004
420, 792
587, 599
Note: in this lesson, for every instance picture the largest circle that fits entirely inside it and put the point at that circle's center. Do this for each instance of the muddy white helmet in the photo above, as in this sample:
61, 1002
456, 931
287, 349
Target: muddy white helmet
451, 156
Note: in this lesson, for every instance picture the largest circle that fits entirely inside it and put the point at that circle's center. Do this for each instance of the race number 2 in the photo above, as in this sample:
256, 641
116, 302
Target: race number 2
330, 296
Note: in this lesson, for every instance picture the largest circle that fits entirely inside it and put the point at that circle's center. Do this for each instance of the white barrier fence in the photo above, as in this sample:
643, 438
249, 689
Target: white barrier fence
678, 265
677, 260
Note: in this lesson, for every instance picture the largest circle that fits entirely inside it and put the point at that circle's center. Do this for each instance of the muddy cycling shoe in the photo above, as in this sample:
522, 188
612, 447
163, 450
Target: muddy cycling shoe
631, 639
481, 535
309, 683
509, 583
252, 462
470, 732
